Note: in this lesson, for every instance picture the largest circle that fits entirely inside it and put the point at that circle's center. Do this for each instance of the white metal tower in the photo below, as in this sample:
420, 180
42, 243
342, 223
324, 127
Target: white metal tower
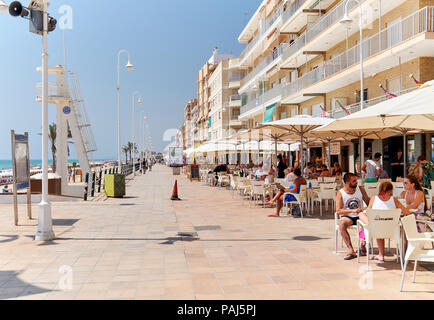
71, 113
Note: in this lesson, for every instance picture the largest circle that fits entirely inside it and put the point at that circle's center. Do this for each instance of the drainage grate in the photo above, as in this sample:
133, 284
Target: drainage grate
207, 228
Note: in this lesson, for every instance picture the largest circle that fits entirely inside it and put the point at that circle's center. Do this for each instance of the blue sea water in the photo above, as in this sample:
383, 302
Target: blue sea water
7, 164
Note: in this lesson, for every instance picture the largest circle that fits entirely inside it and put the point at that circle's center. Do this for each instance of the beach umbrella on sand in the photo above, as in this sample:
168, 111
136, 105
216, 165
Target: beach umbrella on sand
411, 112
295, 128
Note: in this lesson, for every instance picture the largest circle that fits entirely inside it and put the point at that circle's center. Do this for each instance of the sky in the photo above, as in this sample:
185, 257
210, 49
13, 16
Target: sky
169, 42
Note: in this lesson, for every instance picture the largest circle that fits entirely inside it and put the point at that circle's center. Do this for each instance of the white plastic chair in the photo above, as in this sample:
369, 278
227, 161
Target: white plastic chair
329, 179
337, 231
327, 192
416, 242
300, 199
257, 191
383, 224
398, 188
371, 188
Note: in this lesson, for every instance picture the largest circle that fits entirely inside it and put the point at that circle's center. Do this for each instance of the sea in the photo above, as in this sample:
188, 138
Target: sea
7, 164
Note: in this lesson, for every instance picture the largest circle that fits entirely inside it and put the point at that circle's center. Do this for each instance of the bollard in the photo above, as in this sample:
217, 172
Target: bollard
99, 181
86, 187
92, 193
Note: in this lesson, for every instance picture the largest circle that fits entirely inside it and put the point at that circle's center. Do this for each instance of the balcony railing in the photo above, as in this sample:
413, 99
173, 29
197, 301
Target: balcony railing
289, 12
420, 21
262, 99
330, 18
325, 22
262, 31
235, 77
55, 92
294, 47
355, 107
235, 97
264, 63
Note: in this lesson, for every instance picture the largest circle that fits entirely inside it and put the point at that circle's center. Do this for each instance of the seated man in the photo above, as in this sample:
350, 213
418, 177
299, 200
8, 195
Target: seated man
325, 171
295, 188
349, 206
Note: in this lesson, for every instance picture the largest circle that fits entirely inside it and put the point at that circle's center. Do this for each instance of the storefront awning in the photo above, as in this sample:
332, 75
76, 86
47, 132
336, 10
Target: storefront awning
269, 113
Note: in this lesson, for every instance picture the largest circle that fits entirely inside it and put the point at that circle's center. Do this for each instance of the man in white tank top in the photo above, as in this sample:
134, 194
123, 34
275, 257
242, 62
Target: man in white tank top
349, 203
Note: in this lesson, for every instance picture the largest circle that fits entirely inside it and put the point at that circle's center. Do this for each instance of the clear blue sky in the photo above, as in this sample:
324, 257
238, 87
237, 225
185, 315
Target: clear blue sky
169, 42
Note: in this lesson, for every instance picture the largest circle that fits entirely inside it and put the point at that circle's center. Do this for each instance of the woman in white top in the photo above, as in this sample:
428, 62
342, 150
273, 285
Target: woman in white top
384, 201
290, 176
414, 196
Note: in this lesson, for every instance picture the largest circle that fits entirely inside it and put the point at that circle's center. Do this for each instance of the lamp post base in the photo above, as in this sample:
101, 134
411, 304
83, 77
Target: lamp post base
45, 224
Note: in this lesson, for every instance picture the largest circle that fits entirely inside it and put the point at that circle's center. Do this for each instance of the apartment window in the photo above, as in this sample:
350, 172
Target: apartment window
293, 112
283, 115
283, 80
365, 95
305, 110
273, 85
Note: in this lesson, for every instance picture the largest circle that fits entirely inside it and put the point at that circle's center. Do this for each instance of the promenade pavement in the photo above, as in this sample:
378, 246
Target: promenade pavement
207, 246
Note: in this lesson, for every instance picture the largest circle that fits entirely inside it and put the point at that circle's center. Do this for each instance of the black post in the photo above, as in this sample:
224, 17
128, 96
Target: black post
99, 181
93, 184
86, 187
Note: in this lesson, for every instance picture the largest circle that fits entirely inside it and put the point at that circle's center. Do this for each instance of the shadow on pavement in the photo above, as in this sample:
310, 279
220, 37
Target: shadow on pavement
14, 282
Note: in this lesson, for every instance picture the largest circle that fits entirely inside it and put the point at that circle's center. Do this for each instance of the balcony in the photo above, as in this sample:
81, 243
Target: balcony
235, 100
267, 98
407, 37
328, 31
263, 66
235, 79
269, 24
339, 113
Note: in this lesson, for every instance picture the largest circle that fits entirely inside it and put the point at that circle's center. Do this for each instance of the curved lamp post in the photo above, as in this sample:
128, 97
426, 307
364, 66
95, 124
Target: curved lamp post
139, 101
129, 67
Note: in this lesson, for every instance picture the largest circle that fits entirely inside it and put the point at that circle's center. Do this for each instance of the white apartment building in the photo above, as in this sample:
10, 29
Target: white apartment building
301, 59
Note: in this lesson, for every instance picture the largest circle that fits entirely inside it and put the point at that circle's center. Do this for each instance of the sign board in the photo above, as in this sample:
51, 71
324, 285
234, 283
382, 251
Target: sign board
335, 148
195, 173
21, 170
175, 157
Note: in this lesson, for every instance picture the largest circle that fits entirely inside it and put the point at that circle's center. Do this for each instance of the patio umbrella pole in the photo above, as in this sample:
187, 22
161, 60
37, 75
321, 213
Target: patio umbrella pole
301, 155
405, 153
360, 157
330, 156
275, 149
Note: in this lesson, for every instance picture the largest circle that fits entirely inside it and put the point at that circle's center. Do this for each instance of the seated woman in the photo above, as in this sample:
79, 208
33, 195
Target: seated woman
290, 176
336, 171
414, 197
325, 171
295, 188
384, 201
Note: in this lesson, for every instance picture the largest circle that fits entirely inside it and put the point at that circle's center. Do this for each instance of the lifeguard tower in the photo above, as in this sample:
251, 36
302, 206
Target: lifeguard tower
72, 115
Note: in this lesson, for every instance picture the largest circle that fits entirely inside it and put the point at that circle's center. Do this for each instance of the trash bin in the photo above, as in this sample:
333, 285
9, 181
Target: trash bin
114, 185
176, 171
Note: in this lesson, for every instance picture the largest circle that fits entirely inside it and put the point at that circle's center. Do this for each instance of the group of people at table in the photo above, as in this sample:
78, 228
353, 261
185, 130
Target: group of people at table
349, 199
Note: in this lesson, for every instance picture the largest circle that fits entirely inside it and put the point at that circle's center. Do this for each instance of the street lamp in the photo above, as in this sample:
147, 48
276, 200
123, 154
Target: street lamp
346, 20
129, 67
139, 101
4, 8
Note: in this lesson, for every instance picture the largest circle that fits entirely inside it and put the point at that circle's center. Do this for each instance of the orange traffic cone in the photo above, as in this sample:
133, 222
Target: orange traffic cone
175, 192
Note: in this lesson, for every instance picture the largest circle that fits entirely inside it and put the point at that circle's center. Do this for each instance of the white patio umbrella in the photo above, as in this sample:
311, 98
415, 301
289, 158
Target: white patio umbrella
411, 112
296, 128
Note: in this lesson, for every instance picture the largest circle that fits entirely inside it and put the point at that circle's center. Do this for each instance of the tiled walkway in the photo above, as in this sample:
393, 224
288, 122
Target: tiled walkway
207, 246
